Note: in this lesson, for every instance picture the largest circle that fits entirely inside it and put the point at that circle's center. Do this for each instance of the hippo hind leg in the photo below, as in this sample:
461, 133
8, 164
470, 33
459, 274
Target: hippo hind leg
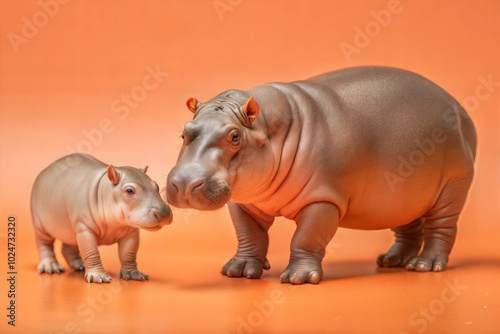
440, 227
45, 243
409, 239
72, 256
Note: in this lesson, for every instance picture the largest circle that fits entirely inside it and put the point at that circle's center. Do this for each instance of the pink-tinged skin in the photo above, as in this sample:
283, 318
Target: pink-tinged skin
363, 148
85, 203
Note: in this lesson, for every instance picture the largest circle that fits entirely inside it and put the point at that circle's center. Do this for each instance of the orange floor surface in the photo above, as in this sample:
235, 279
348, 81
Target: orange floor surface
111, 77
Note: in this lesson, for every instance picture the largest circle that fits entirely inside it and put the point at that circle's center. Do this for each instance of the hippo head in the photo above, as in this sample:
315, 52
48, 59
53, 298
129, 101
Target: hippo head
136, 199
214, 144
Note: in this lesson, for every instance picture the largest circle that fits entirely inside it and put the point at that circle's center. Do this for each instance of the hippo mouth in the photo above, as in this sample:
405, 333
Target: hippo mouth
209, 196
153, 228
157, 220
157, 227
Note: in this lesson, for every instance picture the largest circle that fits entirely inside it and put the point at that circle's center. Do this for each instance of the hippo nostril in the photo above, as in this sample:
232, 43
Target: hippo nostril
162, 216
184, 184
196, 186
174, 186
157, 215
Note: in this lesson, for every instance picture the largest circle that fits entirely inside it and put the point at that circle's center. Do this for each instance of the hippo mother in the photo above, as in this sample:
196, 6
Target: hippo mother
363, 148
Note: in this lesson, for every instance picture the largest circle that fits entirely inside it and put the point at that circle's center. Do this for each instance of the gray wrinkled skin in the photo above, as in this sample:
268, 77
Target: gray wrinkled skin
85, 203
363, 148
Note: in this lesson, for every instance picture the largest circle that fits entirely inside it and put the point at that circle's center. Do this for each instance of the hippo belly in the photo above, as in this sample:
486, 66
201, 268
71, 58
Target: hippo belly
385, 155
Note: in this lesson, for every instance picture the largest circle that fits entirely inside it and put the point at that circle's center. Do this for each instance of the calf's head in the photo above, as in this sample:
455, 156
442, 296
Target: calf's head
136, 199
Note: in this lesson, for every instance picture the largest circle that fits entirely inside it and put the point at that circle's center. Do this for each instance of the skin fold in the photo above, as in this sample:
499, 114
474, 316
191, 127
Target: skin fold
363, 148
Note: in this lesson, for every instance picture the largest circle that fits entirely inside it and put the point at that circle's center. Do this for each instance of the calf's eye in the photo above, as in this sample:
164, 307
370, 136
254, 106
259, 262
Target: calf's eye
129, 191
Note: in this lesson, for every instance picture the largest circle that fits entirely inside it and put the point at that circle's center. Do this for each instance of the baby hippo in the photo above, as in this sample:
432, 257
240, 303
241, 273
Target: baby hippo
86, 203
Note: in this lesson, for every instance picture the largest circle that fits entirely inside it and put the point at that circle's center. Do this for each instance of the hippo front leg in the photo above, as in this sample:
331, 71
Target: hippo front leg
87, 243
250, 259
316, 226
127, 251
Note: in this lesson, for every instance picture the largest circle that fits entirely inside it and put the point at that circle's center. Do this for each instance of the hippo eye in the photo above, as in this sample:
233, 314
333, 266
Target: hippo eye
129, 191
233, 137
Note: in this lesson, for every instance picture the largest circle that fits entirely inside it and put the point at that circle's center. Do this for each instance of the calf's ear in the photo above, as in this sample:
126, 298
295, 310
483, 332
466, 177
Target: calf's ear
251, 110
113, 175
192, 103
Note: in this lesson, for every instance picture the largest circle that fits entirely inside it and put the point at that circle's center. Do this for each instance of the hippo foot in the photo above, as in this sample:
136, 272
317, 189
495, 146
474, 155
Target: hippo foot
134, 274
302, 271
398, 256
97, 276
245, 267
49, 266
77, 265
428, 262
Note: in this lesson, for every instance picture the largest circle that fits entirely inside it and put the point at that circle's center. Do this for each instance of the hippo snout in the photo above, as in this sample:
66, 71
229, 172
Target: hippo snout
191, 188
163, 216
157, 218
186, 187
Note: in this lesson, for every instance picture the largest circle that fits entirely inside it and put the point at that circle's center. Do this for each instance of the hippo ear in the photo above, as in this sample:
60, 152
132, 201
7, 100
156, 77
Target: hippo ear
113, 175
192, 104
251, 110
145, 169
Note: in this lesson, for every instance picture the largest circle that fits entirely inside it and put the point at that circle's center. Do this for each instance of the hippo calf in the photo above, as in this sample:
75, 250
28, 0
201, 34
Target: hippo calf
85, 203
363, 148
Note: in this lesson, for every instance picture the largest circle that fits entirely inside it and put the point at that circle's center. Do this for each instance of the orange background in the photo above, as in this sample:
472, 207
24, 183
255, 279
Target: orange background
76, 68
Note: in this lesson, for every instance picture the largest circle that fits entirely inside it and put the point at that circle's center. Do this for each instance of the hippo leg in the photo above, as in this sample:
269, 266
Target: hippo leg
253, 241
316, 225
72, 256
409, 239
45, 243
48, 263
440, 227
87, 243
127, 251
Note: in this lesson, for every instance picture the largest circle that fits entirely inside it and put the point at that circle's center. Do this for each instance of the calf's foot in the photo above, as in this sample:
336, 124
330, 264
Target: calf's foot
49, 265
72, 256
133, 274
97, 276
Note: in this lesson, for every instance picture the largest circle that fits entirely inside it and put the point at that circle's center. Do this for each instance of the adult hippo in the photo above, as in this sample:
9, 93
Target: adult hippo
363, 148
